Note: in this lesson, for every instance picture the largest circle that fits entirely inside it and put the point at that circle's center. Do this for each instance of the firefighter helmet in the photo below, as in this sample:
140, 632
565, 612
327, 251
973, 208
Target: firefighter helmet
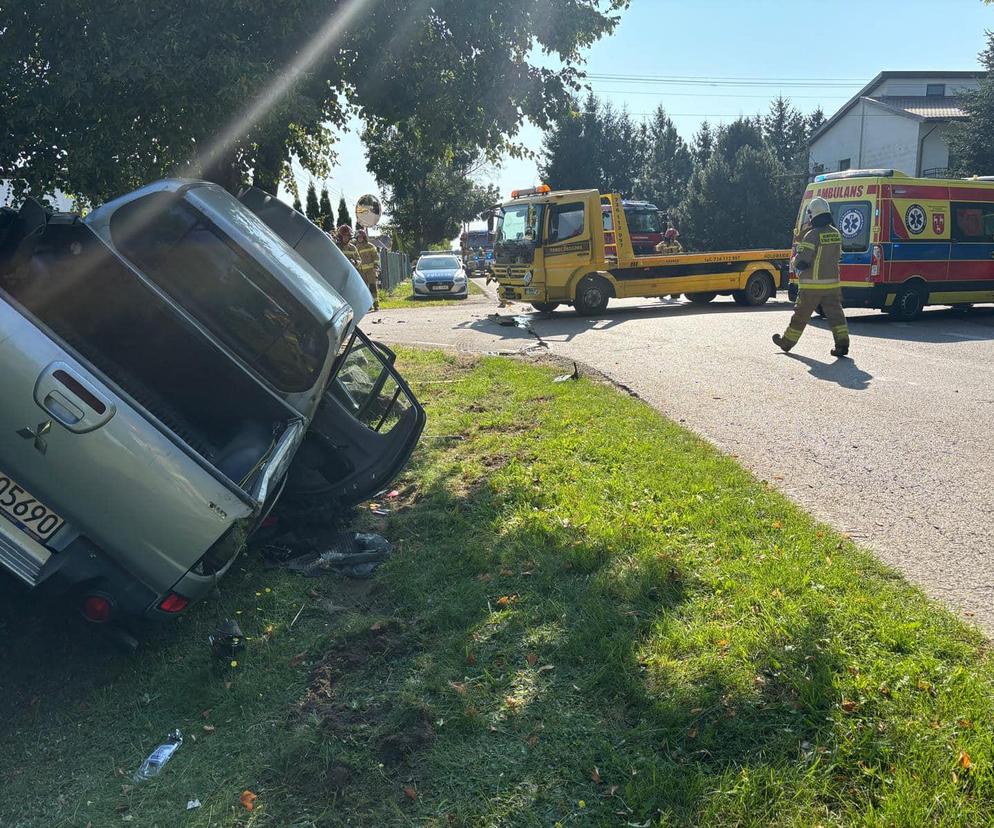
818, 207
671, 234
344, 232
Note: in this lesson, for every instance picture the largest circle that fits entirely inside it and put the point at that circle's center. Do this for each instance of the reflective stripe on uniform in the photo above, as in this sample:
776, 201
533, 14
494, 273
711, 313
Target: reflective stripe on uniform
803, 285
792, 335
805, 246
841, 330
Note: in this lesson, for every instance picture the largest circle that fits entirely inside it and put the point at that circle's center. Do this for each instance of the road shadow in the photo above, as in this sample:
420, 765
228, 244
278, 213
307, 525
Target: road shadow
938, 326
566, 323
843, 372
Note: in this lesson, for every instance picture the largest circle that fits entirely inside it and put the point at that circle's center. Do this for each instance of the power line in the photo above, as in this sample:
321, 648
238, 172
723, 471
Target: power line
667, 93
722, 77
730, 83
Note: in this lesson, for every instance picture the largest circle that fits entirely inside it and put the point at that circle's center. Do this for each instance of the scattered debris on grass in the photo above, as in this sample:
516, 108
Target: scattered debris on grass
193, 804
567, 377
355, 554
227, 641
155, 761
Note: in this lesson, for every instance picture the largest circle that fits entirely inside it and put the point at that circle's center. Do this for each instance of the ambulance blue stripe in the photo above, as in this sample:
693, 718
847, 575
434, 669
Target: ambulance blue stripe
972, 251
919, 251
856, 258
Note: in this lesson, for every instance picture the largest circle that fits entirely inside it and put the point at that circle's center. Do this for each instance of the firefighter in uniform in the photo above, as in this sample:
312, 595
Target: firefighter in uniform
816, 264
369, 265
343, 238
670, 243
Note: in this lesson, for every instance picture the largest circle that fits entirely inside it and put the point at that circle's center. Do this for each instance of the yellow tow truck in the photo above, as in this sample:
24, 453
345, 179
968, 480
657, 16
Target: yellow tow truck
573, 247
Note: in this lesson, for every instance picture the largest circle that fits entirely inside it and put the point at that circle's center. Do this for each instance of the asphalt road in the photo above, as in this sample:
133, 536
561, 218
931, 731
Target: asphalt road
894, 447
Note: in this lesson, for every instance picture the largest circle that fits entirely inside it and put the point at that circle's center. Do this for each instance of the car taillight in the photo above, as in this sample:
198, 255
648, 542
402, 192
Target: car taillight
97, 608
173, 602
876, 259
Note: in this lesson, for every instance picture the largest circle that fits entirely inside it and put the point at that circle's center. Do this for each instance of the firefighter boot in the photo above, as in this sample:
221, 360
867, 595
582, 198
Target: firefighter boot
782, 343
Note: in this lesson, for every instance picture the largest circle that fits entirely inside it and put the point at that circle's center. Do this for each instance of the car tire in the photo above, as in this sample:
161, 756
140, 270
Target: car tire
592, 295
909, 304
545, 307
759, 289
701, 298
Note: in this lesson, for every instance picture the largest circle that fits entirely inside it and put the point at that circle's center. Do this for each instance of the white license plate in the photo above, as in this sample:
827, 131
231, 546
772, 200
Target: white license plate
439, 287
23, 509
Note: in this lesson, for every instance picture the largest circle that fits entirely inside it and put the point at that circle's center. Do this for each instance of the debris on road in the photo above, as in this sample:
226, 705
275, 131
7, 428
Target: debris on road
153, 764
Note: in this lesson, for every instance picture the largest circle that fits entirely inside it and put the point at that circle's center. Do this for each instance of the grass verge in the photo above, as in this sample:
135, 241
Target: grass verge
402, 296
592, 618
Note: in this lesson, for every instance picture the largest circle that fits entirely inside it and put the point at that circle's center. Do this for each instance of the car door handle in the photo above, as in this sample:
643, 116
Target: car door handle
72, 400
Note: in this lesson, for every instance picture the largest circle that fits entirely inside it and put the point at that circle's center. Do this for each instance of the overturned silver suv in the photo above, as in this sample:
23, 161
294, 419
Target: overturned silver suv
171, 364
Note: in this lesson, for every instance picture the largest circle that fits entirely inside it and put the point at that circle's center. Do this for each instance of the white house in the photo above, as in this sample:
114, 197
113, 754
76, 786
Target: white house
899, 120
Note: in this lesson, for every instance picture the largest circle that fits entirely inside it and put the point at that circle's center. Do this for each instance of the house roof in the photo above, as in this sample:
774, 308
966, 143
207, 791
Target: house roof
969, 74
922, 108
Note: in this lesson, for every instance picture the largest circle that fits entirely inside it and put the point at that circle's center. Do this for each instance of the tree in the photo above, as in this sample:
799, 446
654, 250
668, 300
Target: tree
313, 211
429, 193
324, 203
108, 94
815, 120
297, 205
785, 132
572, 147
668, 163
742, 132
703, 144
739, 202
596, 146
343, 212
971, 149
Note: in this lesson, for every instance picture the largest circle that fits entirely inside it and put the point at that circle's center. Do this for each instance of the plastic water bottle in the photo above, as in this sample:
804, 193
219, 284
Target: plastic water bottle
152, 766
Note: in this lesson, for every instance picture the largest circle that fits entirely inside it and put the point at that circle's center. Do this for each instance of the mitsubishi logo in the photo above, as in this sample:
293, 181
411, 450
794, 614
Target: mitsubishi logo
38, 434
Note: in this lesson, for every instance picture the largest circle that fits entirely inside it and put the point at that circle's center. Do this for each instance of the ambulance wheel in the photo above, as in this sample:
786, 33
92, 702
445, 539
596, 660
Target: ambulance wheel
758, 290
909, 303
700, 298
545, 307
592, 295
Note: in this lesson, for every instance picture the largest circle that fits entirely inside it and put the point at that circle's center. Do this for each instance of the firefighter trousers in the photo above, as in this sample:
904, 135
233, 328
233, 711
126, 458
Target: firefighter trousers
831, 305
369, 276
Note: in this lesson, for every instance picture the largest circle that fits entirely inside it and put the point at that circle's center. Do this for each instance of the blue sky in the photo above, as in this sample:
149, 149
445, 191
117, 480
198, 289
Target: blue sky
768, 47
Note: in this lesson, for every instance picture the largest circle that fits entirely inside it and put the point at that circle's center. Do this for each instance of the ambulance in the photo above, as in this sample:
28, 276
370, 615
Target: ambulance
909, 242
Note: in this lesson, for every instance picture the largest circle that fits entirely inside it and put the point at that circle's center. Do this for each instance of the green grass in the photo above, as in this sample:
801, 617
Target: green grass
592, 618
402, 296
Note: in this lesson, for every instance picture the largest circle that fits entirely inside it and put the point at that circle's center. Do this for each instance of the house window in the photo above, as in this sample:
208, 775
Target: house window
935, 90
845, 164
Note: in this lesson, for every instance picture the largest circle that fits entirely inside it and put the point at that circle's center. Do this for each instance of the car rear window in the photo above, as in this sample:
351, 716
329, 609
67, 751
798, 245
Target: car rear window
225, 289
